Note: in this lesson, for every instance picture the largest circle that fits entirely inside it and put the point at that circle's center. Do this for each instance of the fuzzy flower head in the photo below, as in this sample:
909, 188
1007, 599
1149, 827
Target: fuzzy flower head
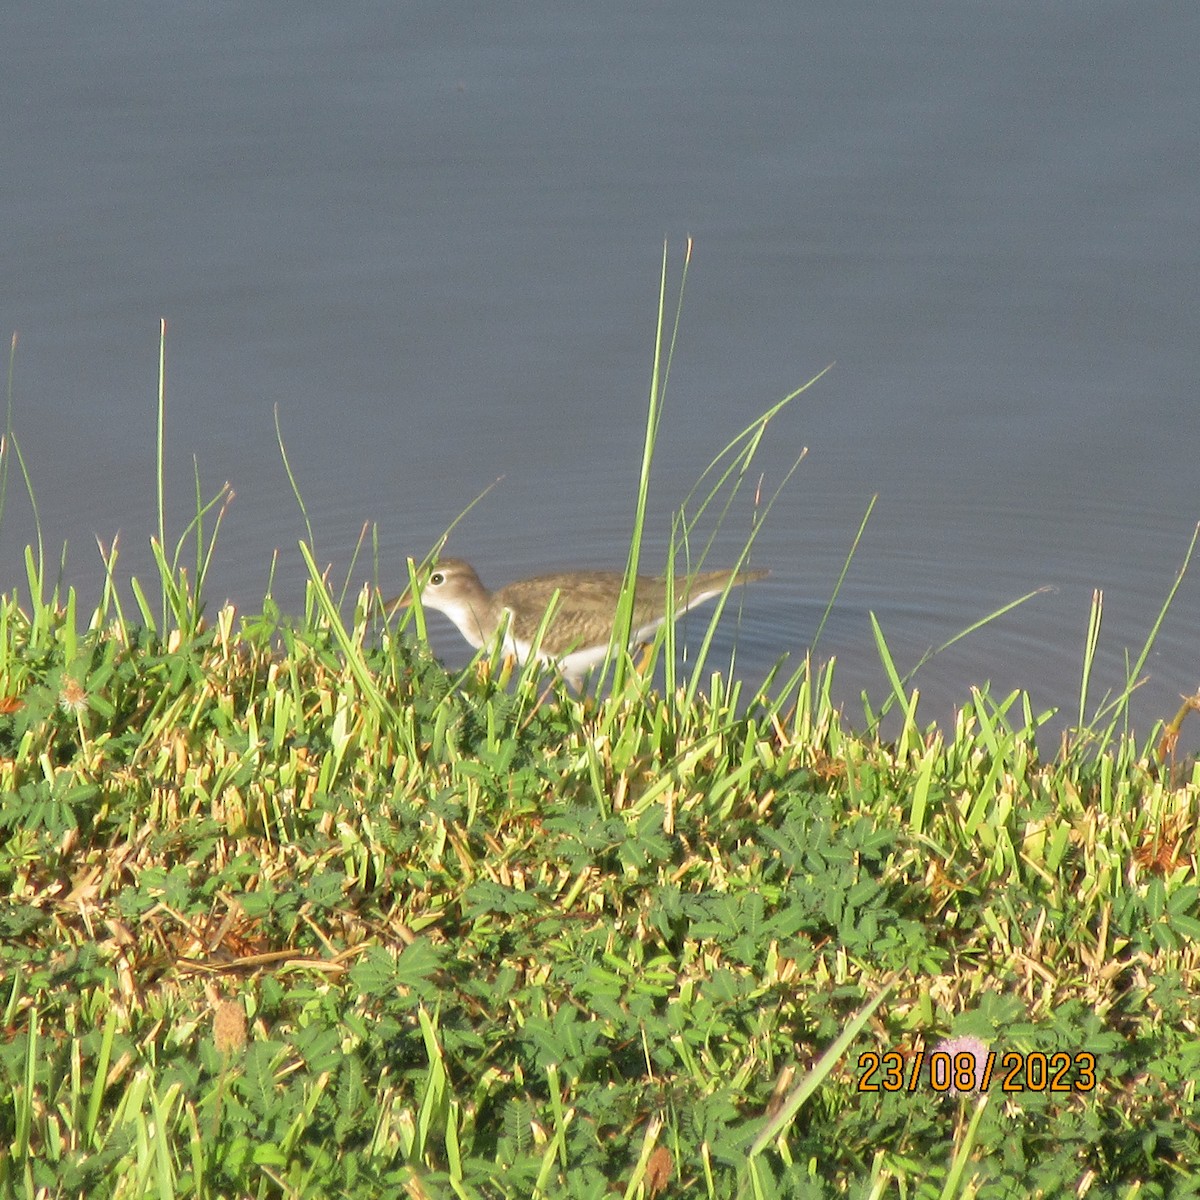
960, 1072
72, 697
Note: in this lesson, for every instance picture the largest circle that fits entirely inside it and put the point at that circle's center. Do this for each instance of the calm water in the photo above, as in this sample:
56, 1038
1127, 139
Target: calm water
434, 244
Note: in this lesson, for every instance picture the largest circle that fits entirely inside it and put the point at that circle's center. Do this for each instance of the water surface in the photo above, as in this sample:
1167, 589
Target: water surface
434, 244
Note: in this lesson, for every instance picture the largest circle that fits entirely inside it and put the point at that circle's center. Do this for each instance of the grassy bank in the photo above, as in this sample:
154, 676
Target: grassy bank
289, 914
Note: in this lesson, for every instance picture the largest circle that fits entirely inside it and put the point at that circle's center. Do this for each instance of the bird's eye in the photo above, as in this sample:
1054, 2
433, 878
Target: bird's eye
437, 579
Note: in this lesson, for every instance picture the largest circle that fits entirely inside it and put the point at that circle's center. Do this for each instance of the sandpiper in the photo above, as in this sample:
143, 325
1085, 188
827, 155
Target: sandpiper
578, 635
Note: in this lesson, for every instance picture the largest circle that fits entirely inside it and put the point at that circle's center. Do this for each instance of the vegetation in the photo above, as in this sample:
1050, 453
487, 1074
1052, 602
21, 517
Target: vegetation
291, 912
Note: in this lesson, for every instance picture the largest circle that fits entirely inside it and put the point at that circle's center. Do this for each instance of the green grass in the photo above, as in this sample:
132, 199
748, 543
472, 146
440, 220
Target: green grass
290, 911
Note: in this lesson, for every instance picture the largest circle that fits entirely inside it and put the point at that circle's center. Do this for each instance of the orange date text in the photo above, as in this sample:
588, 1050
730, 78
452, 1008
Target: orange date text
1011, 1070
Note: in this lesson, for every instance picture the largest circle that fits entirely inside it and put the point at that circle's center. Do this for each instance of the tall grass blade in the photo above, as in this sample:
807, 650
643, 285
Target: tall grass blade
287, 467
1095, 615
99, 1078
900, 683
1119, 706
37, 573
349, 648
617, 658
954, 1179
160, 448
795, 683
815, 1076
837, 587
25, 1102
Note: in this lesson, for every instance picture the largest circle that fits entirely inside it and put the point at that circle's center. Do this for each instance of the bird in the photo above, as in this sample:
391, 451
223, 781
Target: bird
578, 634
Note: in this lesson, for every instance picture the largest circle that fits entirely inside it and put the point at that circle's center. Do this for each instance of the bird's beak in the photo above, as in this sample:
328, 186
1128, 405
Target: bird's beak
404, 600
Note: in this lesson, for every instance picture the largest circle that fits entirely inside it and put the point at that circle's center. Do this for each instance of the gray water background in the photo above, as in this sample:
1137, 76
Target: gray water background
431, 235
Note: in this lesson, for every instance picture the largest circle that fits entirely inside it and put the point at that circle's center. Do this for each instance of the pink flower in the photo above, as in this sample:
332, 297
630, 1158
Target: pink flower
953, 1048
